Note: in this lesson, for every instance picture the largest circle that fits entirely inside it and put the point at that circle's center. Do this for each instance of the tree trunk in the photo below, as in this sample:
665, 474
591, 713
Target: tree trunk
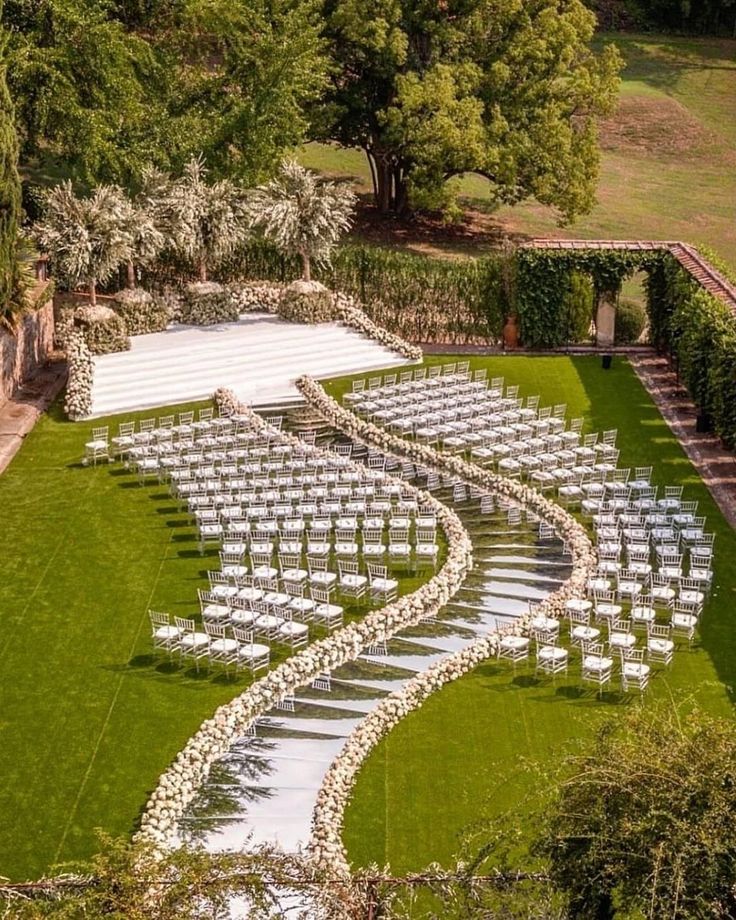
401, 193
130, 274
384, 184
93, 292
202, 270
306, 267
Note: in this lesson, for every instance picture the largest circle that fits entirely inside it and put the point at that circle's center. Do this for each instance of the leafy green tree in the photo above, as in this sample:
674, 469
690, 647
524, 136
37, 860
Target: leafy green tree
644, 825
507, 89
89, 93
302, 214
87, 239
245, 73
10, 206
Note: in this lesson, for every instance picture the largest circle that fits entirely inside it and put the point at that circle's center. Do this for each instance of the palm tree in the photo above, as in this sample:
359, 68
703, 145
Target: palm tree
302, 214
87, 239
206, 222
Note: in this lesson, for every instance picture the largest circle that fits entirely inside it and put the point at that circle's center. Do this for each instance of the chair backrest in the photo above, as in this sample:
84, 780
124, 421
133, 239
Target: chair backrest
426, 535
316, 564
186, 418
579, 617
100, 433
147, 424
288, 562
320, 595
603, 597
642, 472
659, 631
230, 558
125, 429
347, 567
158, 619
244, 636
214, 630
184, 624
377, 571
594, 650
166, 421
260, 558
206, 415
293, 589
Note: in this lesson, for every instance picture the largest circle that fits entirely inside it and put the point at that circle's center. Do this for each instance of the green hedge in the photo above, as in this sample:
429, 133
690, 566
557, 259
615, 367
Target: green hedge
699, 331
423, 299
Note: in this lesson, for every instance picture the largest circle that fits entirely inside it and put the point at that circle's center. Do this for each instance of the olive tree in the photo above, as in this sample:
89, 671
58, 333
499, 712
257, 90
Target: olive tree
86, 238
302, 214
205, 220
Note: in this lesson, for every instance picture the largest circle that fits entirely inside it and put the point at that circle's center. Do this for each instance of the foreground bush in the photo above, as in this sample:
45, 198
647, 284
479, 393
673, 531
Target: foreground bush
643, 825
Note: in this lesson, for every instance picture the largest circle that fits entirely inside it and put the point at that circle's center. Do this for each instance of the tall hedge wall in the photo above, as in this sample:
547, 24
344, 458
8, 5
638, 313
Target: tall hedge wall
424, 299
699, 331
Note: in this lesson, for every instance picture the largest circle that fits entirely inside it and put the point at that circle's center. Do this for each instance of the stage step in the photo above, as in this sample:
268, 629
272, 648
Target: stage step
259, 358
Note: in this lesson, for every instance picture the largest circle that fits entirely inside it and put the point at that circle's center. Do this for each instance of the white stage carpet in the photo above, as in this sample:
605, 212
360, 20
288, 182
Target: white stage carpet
259, 358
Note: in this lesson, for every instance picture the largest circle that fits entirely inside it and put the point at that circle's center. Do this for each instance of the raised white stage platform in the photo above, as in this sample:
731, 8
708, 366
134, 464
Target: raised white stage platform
259, 358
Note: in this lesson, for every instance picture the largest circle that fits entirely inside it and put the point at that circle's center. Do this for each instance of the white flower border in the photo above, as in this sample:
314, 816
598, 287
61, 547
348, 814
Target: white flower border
78, 398
325, 846
178, 785
254, 296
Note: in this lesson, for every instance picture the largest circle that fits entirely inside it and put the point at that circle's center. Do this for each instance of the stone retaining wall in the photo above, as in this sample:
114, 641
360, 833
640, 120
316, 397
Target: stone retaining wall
28, 348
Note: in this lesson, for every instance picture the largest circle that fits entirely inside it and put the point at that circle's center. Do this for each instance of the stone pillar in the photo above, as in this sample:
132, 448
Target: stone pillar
605, 318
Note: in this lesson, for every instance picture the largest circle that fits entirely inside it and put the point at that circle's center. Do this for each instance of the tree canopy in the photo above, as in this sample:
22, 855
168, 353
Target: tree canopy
87, 239
643, 826
509, 90
245, 75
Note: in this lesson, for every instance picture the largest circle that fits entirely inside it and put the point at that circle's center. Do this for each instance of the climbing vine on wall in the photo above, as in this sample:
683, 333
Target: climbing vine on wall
545, 277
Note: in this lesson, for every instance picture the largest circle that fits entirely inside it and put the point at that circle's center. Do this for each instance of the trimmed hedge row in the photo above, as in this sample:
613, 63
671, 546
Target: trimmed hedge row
420, 298
699, 331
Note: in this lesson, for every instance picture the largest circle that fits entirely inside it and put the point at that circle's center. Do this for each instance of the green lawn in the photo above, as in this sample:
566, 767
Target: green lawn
88, 717
470, 751
668, 169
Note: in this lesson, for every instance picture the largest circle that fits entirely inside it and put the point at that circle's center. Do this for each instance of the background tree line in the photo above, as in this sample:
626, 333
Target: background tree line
700, 17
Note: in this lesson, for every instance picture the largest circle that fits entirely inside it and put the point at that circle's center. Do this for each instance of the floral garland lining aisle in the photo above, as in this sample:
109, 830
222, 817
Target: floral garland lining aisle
178, 785
325, 846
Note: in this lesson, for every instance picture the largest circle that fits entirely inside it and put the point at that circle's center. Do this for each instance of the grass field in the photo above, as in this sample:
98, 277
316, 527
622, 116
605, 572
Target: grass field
474, 750
88, 717
669, 164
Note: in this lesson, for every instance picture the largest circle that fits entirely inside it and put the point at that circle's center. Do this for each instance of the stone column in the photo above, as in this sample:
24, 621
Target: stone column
605, 318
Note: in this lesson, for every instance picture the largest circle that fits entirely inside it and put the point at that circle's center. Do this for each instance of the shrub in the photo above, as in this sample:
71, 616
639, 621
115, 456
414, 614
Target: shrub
205, 303
424, 299
104, 331
140, 311
307, 302
631, 318
577, 308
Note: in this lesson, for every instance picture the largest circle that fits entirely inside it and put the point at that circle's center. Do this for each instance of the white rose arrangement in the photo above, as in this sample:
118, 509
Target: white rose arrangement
78, 399
178, 785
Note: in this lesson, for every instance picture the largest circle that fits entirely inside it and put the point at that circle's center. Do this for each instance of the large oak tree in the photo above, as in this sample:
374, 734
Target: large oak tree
507, 89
